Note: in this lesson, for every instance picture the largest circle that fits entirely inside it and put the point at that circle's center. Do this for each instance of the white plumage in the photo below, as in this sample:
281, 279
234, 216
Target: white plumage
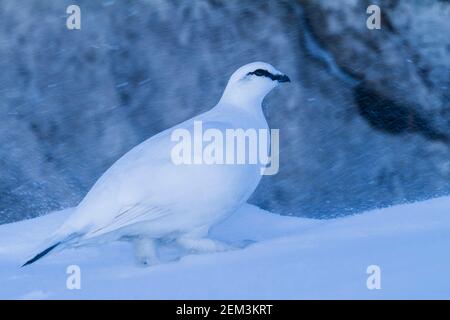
144, 195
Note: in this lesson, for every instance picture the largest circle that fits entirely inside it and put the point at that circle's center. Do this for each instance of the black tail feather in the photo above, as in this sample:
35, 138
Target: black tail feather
41, 254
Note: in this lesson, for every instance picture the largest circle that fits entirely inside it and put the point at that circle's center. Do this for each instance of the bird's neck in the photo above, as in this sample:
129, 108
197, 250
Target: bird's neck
249, 114
241, 98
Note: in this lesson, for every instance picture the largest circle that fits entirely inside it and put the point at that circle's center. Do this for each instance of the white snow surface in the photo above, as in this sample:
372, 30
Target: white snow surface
289, 258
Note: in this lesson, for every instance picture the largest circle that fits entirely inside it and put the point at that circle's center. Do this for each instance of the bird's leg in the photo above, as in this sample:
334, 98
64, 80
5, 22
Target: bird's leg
203, 245
145, 250
196, 241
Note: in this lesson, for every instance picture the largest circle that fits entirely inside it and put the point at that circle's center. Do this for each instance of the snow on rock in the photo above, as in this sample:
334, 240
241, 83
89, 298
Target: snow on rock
288, 258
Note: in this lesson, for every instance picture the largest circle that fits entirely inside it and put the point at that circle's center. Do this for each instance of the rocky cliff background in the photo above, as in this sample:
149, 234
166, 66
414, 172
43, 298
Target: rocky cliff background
365, 122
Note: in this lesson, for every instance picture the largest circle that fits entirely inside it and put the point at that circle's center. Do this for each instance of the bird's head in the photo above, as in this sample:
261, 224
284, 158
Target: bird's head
252, 82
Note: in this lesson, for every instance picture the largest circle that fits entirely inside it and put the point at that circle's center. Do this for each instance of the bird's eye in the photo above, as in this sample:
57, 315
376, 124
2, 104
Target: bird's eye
259, 72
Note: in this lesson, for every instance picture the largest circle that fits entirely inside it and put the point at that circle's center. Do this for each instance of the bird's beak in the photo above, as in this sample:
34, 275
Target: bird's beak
283, 78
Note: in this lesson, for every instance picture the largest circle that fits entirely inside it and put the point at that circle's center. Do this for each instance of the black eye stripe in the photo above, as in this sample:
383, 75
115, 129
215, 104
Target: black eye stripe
263, 73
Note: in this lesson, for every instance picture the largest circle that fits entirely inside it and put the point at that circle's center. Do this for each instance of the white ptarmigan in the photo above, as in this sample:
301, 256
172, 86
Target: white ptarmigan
146, 196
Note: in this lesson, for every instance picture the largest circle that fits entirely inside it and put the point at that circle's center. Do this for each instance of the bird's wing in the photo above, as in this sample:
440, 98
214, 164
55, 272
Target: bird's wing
127, 217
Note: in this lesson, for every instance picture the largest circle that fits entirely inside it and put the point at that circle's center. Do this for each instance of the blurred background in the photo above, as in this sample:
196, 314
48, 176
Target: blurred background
365, 122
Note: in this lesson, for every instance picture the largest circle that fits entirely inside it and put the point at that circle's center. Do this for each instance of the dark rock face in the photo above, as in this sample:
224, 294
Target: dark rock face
364, 123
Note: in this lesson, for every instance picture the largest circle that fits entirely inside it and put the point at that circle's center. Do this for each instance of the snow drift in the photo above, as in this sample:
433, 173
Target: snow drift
287, 258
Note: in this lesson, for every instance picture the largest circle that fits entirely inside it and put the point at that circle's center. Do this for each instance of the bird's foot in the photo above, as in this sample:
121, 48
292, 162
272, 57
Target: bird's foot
146, 261
203, 245
145, 250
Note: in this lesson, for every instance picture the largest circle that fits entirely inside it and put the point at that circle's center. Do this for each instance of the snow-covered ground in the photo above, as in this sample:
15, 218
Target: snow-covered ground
290, 258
